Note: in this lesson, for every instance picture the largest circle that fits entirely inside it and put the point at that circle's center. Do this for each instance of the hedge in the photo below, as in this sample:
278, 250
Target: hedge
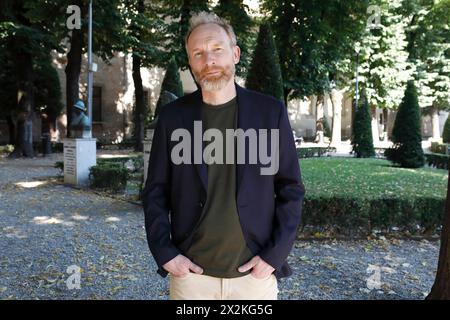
437, 160
355, 217
436, 147
314, 151
111, 176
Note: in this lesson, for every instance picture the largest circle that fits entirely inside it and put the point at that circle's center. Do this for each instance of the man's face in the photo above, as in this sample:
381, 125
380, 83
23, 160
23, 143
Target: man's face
212, 56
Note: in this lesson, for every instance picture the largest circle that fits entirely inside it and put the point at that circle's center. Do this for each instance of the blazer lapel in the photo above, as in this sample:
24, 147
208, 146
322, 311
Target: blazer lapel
242, 123
195, 114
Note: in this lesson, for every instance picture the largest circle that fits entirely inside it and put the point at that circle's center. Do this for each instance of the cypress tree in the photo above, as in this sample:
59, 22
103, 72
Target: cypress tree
446, 133
362, 131
406, 134
265, 73
171, 83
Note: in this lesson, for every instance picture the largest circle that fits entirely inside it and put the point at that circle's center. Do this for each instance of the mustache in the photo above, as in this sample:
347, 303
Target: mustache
211, 70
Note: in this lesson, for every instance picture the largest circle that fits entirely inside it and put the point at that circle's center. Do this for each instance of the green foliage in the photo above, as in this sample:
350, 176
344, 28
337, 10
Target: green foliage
235, 12
7, 149
178, 13
264, 74
171, 83
358, 216
313, 38
376, 196
446, 133
314, 152
143, 31
436, 147
406, 134
59, 165
109, 175
137, 162
362, 140
437, 160
48, 89
428, 47
370, 178
383, 59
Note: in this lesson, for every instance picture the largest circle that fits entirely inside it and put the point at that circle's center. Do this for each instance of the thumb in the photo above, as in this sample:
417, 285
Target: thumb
195, 268
248, 265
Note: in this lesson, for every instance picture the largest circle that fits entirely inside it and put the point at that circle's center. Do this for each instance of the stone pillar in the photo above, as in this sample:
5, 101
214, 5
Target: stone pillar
336, 101
79, 156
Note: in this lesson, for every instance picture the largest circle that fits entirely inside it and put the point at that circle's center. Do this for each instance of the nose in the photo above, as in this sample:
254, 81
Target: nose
209, 59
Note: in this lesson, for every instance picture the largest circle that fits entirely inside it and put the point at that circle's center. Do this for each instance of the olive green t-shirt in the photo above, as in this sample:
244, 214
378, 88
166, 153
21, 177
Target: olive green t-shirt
218, 244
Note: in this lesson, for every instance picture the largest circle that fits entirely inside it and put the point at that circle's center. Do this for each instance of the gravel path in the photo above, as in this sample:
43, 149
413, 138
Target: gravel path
47, 227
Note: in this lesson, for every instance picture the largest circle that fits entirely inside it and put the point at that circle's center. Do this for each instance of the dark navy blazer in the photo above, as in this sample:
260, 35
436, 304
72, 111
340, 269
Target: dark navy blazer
269, 206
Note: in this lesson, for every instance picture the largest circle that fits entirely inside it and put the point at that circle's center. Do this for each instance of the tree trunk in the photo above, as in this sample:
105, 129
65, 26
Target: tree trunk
73, 69
435, 123
11, 129
319, 107
375, 131
24, 134
139, 104
319, 117
441, 286
313, 103
336, 102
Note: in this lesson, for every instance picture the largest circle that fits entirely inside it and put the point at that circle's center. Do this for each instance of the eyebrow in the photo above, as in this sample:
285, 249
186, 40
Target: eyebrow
216, 43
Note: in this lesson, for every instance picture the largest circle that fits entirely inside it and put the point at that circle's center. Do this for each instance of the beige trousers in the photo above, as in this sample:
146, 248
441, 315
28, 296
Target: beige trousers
201, 287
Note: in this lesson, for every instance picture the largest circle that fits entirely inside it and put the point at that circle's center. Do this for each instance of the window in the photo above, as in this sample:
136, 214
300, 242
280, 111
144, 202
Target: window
97, 104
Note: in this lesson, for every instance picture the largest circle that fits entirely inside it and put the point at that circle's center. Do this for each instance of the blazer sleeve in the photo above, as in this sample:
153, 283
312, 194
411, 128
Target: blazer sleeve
156, 198
289, 195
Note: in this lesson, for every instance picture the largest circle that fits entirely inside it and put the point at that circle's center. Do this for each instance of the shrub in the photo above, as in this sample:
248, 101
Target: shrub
57, 146
436, 147
406, 135
362, 140
446, 133
314, 152
6, 149
264, 74
352, 216
59, 165
111, 176
171, 83
440, 161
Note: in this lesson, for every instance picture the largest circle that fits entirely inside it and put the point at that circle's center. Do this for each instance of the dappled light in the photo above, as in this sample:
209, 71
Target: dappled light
112, 219
31, 184
44, 220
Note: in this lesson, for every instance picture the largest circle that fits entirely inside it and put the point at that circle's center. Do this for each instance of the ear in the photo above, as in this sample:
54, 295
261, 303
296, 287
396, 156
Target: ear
236, 54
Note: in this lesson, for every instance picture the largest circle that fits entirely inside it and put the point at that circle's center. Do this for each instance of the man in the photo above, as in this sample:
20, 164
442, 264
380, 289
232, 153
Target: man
221, 229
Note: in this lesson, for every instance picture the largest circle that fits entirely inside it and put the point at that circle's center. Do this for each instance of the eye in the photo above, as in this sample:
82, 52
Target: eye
197, 54
218, 49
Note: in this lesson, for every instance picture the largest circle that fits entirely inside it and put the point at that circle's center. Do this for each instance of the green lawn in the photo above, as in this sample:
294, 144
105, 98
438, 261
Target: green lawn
369, 178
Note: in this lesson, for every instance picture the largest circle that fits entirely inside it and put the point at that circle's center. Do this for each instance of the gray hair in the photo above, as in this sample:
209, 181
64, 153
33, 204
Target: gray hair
207, 17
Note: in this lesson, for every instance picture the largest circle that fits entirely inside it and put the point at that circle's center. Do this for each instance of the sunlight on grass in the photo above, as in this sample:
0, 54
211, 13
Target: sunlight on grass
370, 178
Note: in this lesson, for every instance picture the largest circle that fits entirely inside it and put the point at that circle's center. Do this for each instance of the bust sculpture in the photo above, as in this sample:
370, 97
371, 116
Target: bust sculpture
80, 124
